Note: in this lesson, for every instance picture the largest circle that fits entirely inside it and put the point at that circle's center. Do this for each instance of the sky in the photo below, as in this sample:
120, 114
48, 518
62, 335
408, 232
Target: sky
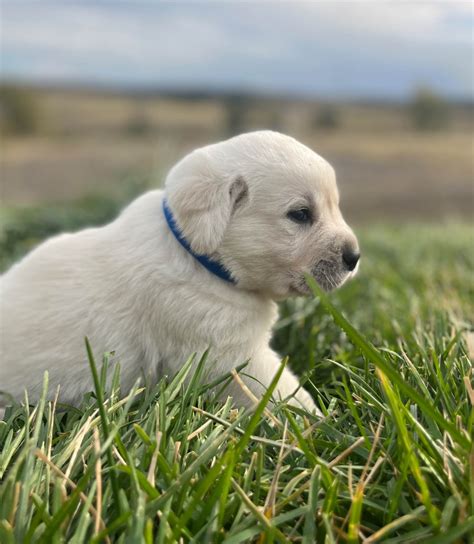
352, 49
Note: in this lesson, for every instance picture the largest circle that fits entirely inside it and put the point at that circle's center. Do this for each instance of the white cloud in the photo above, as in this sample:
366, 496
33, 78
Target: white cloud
415, 21
330, 47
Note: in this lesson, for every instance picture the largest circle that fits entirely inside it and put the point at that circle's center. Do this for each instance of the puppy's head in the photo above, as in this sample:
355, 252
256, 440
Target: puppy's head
266, 207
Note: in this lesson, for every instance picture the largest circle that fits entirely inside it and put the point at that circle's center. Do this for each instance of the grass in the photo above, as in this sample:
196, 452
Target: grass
392, 459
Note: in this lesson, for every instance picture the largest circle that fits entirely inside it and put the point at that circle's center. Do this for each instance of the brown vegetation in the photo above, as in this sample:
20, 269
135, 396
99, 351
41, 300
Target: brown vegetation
96, 142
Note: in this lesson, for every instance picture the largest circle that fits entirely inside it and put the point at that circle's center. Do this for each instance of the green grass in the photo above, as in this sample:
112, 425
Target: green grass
392, 460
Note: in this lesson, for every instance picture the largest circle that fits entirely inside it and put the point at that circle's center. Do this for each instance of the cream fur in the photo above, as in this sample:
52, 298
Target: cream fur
132, 289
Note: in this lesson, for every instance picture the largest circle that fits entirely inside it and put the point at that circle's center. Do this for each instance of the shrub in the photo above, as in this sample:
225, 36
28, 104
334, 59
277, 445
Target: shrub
327, 117
138, 125
429, 111
235, 110
19, 113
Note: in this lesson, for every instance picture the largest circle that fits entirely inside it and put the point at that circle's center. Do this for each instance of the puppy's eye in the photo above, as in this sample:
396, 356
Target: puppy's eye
302, 215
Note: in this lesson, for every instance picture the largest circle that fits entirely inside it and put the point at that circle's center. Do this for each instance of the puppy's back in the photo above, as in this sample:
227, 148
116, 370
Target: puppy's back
90, 283
44, 307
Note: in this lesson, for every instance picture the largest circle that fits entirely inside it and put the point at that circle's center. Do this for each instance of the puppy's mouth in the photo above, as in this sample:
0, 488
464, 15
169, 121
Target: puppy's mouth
329, 276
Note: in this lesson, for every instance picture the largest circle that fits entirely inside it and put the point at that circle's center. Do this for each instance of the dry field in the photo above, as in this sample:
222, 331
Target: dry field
98, 142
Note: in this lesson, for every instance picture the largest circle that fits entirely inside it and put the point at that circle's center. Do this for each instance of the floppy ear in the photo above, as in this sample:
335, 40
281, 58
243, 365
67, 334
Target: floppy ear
202, 206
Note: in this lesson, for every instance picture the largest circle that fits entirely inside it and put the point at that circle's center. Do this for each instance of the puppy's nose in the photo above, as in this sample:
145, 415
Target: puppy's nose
350, 257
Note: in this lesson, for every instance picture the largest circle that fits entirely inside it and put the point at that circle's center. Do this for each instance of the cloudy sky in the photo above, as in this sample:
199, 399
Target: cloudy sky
378, 49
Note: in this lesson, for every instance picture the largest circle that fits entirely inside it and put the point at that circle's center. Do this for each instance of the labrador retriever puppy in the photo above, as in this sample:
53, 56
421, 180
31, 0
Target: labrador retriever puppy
197, 265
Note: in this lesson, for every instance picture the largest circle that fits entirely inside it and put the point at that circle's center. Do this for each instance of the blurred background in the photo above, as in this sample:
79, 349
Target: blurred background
98, 99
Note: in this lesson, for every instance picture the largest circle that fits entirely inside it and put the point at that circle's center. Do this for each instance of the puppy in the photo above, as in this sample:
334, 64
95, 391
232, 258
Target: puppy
197, 265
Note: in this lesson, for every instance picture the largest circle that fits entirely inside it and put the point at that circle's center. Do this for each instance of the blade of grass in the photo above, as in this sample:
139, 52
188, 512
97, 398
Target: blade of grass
379, 361
104, 420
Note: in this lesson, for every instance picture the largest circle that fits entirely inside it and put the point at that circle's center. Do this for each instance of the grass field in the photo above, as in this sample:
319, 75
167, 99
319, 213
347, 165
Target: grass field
392, 460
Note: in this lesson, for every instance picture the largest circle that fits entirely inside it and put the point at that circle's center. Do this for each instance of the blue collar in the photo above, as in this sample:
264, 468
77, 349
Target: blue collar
213, 266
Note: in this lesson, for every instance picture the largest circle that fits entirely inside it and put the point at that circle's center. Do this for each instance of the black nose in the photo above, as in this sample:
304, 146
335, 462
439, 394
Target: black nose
350, 258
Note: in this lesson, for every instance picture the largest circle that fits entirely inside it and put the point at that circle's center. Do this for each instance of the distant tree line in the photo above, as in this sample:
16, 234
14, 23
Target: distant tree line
427, 111
20, 113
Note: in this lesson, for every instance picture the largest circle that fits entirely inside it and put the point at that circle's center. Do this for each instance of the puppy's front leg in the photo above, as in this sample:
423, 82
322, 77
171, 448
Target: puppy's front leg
259, 374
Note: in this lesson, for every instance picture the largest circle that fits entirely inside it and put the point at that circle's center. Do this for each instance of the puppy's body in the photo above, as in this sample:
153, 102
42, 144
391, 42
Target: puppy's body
132, 289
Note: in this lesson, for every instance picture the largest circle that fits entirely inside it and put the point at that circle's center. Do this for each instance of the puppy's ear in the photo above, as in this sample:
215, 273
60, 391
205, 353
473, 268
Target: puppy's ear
203, 206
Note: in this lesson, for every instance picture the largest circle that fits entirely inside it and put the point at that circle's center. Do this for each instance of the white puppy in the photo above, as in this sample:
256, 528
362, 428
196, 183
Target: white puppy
197, 265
